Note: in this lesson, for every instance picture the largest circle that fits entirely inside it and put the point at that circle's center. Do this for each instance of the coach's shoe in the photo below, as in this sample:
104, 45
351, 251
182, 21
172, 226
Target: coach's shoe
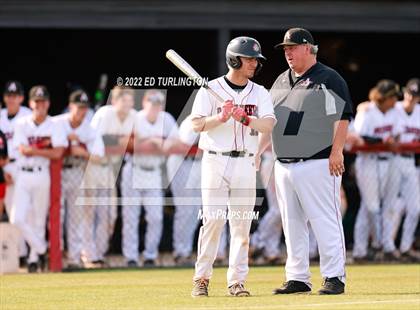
332, 286
238, 290
293, 287
200, 288
33, 267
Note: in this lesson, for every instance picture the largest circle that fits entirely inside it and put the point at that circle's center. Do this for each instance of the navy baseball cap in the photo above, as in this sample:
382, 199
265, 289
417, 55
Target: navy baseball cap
39, 92
13, 87
413, 87
296, 36
79, 97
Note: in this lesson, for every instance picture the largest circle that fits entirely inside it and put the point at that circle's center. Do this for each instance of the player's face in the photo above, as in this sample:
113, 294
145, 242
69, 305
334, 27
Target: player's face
152, 109
248, 66
389, 103
40, 106
13, 101
124, 103
296, 55
78, 111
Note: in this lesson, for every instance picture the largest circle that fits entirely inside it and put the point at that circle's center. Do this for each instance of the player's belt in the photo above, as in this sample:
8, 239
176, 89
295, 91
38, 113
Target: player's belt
146, 168
382, 158
233, 153
31, 169
407, 155
12, 160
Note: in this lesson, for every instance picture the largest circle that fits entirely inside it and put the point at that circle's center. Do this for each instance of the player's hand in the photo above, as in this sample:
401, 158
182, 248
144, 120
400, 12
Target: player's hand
257, 162
27, 150
336, 164
226, 112
80, 151
8, 178
240, 116
73, 137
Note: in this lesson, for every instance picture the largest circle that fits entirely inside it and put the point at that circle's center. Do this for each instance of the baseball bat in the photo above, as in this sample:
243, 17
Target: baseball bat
189, 71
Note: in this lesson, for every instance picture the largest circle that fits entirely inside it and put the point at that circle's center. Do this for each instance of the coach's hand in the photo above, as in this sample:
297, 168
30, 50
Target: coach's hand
336, 163
226, 112
240, 116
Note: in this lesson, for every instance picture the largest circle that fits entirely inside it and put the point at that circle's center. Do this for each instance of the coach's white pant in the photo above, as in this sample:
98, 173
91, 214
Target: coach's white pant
30, 209
12, 169
186, 192
134, 193
307, 192
226, 182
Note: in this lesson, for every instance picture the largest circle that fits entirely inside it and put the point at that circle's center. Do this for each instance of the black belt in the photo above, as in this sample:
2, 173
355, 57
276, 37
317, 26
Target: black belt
69, 166
382, 158
291, 160
145, 168
12, 160
233, 153
31, 169
406, 155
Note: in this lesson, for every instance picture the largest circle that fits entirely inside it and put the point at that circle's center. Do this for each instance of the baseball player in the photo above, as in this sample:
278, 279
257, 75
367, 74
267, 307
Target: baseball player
313, 106
229, 140
38, 139
3, 161
84, 144
375, 173
115, 123
184, 175
142, 178
406, 181
13, 97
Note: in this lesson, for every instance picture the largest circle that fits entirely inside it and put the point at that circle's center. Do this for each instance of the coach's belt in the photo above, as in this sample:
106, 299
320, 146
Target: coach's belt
31, 169
233, 153
291, 160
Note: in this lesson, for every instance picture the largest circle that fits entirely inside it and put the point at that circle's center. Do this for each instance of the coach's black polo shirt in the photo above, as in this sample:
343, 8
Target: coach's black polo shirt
306, 108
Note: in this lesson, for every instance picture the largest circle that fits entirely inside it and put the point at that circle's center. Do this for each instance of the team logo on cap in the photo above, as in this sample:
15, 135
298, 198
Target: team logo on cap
256, 47
83, 97
304, 40
287, 36
12, 87
39, 92
414, 88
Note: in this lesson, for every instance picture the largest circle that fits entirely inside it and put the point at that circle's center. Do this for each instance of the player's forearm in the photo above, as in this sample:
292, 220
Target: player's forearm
54, 153
264, 141
200, 124
340, 134
263, 125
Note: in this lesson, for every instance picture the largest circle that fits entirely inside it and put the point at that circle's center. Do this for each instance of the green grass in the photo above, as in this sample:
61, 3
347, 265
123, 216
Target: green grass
368, 287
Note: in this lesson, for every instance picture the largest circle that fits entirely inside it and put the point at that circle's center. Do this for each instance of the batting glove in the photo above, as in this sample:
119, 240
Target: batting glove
240, 116
226, 112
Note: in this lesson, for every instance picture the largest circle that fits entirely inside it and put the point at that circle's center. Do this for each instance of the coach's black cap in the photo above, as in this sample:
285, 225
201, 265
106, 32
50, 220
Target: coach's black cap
388, 88
39, 92
296, 36
413, 87
13, 87
79, 97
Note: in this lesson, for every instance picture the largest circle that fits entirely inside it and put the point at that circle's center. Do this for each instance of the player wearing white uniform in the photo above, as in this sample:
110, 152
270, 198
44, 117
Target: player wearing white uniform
115, 123
142, 178
38, 139
84, 144
13, 98
229, 140
184, 175
406, 181
375, 174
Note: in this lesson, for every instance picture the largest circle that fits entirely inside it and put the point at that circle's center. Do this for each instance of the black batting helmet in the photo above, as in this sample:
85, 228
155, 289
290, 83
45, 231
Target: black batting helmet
243, 47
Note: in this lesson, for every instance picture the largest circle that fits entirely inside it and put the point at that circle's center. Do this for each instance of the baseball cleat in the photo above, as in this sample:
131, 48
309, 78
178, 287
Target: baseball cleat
293, 287
200, 288
238, 290
33, 267
149, 263
132, 264
410, 257
332, 286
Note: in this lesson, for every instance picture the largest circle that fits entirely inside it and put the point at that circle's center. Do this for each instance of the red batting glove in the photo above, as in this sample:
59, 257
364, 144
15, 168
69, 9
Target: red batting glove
226, 112
240, 116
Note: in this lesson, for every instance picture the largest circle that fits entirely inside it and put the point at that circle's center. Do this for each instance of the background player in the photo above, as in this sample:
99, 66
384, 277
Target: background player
84, 144
155, 129
229, 140
38, 139
3, 161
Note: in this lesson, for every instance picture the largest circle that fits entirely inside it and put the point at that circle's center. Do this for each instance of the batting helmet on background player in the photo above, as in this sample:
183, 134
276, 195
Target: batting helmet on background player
243, 47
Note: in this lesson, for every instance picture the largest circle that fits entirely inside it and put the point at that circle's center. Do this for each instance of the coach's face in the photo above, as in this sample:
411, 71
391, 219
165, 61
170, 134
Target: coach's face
297, 56
249, 65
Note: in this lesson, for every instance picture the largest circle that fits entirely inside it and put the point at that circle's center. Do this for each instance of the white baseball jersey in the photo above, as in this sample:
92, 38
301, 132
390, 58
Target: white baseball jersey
106, 121
374, 123
86, 134
7, 126
254, 99
186, 134
47, 134
164, 127
410, 123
